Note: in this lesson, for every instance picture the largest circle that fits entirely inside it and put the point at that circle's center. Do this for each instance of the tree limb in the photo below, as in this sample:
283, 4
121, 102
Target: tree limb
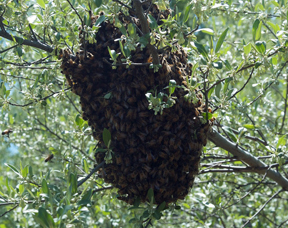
31, 43
248, 158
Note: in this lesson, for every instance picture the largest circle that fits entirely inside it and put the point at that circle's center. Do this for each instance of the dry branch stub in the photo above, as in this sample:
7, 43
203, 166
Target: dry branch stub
161, 152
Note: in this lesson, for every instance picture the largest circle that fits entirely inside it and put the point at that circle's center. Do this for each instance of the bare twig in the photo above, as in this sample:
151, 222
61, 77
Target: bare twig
13, 208
8, 49
42, 99
285, 106
90, 174
272, 197
35, 38
242, 86
82, 22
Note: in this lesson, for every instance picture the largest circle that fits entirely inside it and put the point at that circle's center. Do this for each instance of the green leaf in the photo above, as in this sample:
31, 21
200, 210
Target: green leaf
157, 215
100, 20
162, 206
21, 189
218, 89
201, 49
172, 86
281, 141
227, 64
106, 136
131, 29
150, 195
85, 166
221, 40
41, 3
207, 31
261, 46
217, 65
86, 199
44, 187
73, 183
19, 51
14, 169
187, 12
204, 114
247, 49
152, 22
256, 30
25, 171
78, 120
98, 3
44, 218
249, 126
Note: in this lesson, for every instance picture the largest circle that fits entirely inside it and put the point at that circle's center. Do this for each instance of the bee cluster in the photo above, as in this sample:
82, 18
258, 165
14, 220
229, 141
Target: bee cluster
161, 152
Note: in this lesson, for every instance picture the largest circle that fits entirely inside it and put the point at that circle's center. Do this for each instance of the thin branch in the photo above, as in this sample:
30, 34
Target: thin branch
42, 99
8, 49
82, 22
248, 158
62, 139
272, 197
102, 189
35, 38
90, 174
270, 29
269, 84
285, 106
19, 77
13, 208
242, 86
121, 3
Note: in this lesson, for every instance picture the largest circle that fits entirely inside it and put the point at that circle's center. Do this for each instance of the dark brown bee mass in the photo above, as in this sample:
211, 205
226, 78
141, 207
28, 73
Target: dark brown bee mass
161, 152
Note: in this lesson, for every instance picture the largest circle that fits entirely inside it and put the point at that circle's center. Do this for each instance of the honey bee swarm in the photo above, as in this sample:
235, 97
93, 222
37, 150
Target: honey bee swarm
161, 152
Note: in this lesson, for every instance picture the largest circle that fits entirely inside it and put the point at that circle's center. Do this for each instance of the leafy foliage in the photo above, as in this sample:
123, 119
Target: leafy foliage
238, 52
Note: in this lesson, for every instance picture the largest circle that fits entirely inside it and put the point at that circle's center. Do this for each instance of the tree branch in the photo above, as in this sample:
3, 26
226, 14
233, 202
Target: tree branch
90, 174
272, 197
248, 158
31, 43
146, 30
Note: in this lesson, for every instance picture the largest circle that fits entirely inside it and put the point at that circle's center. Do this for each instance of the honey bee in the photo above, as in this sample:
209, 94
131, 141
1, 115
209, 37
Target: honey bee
146, 168
127, 161
131, 100
131, 114
118, 159
142, 136
49, 158
163, 164
139, 186
7, 132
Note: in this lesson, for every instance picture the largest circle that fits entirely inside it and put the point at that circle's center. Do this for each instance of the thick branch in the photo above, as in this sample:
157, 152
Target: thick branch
145, 29
248, 158
31, 43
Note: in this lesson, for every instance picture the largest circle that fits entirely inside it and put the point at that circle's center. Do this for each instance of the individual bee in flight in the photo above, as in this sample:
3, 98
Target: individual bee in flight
49, 158
7, 132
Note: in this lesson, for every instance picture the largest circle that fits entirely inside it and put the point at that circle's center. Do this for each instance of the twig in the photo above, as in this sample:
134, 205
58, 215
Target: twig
242, 86
90, 174
272, 197
60, 138
9, 210
8, 49
42, 99
269, 29
82, 23
269, 84
121, 3
249, 191
12, 76
101, 189
285, 106
35, 38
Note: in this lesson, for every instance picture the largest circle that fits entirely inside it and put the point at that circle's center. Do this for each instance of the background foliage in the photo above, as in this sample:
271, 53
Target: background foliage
240, 54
